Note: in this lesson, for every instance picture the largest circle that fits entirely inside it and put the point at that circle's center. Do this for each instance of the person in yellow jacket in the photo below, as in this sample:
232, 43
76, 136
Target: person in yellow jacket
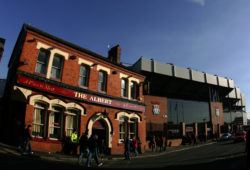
74, 142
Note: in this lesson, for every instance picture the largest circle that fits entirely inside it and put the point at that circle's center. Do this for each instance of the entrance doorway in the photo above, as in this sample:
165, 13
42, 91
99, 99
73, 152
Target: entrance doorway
100, 129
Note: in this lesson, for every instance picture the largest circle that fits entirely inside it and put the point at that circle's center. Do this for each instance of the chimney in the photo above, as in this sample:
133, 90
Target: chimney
114, 54
2, 41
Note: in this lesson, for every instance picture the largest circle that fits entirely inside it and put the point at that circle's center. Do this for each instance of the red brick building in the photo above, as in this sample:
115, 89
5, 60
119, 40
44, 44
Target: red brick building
57, 87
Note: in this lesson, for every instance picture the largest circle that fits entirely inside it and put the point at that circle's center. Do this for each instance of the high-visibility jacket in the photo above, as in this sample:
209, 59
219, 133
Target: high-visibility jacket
74, 137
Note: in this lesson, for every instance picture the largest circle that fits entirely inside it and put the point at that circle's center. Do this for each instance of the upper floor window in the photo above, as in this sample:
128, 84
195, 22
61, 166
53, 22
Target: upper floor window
42, 62
133, 90
102, 81
56, 69
84, 75
124, 88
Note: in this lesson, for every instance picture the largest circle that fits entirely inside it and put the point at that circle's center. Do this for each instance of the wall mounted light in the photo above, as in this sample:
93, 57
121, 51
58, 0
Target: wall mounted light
73, 57
32, 40
22, 63
114, 72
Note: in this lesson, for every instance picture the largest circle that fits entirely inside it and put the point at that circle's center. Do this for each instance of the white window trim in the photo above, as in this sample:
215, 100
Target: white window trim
86, 62
51, 57
107, 70
130, 79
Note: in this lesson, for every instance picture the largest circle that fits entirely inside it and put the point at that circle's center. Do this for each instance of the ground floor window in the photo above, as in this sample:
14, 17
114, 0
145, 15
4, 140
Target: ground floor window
39, 120
72, 120
128, 127
55, 123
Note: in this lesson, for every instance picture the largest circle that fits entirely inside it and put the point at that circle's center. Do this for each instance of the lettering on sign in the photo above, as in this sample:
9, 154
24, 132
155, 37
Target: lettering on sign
78, 95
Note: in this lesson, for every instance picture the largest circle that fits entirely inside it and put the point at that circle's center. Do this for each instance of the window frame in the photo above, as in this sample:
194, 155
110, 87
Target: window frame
84, 76
61, 126
133, 90
124, 90
70, 113
41, 63
43, 125
57, 68
103, 82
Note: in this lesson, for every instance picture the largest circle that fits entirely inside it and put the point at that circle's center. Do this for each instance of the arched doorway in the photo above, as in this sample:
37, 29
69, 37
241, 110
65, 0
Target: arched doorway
100, 124
99, 128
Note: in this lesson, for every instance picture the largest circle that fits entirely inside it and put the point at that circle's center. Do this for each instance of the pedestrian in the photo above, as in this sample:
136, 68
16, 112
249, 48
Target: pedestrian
74, 142
102, 148
161, 143
193, 138
139, 145
153, 142
135, 145
21, 145
84, 150
248, 148
27, 138
93, 151
127, 149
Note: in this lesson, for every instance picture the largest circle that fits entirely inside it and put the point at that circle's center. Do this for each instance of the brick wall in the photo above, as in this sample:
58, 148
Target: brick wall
155, 122
71, 68
216, 119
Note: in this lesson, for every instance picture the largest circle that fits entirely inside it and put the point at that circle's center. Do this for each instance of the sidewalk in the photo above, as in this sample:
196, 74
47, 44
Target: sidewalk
8, 149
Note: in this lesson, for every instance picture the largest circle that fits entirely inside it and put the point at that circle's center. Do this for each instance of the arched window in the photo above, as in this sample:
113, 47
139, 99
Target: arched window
133, 126
39, 120
102, 81
42, 62
56, 122
122, 128
128, 127
71, 121
84, 76
56, 70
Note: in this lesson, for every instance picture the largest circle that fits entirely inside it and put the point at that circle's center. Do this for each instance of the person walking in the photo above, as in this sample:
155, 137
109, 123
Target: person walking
83, 143
93, 150
127, 149
74, 142
135, 145
139, 145
248, 148
27, 138
153, 143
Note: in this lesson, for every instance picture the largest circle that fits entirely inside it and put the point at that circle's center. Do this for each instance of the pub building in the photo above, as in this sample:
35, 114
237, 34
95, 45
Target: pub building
57, 86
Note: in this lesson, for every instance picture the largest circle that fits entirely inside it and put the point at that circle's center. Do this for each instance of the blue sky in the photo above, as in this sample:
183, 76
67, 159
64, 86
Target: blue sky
206, 35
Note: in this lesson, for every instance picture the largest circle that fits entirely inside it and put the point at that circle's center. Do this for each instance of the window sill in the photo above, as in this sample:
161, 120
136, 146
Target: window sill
83, 87
46, 140
41, 75
55, 79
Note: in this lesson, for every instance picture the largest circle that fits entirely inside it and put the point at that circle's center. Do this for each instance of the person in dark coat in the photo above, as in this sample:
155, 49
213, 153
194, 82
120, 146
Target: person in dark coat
27, 138
84, 149
127, 149
93, 151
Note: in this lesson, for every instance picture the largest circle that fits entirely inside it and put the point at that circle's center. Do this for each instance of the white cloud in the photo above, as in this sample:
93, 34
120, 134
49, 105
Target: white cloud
200, 2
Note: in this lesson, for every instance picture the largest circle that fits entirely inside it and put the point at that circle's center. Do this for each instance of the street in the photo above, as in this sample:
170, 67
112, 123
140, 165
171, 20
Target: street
226, 155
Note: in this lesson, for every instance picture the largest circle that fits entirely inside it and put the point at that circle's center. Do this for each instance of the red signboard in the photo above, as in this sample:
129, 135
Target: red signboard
78, 95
